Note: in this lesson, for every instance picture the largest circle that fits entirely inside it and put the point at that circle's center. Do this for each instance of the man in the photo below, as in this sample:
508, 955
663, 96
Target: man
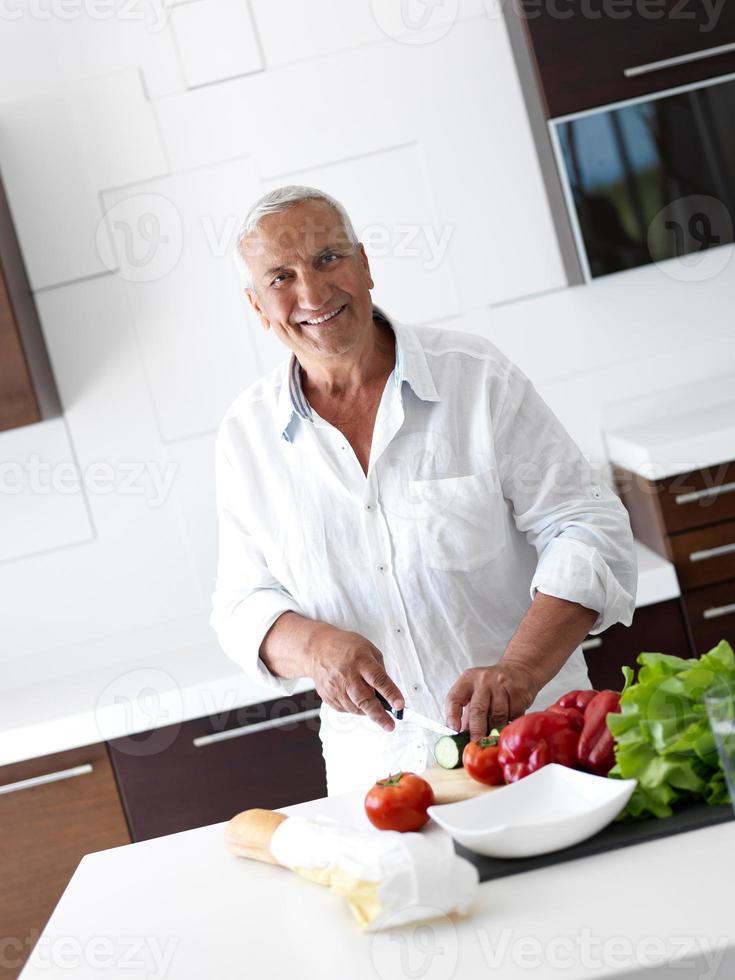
399, 512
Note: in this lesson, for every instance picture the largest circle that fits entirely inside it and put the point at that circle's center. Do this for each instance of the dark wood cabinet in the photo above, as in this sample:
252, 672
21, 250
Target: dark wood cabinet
659, 628
53, 811
27, 389
590, 53
690, 520
207, 770
711, 615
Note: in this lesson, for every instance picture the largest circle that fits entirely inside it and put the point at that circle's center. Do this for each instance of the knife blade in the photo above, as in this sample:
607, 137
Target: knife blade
408, 714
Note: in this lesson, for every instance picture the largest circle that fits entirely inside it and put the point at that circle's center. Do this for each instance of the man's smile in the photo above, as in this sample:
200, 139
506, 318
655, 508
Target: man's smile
324, 317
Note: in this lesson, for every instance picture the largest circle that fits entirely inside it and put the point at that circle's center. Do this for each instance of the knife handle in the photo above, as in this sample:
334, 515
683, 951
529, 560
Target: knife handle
388, 707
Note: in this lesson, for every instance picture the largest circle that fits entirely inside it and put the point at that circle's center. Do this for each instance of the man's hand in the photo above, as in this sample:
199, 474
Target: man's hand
487, 697
347, 669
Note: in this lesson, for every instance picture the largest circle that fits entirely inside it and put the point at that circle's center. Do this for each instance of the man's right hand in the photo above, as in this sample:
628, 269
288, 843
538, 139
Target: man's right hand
347, 669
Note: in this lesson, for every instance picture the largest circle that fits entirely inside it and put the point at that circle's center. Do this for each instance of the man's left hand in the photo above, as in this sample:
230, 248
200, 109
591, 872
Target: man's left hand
487, 697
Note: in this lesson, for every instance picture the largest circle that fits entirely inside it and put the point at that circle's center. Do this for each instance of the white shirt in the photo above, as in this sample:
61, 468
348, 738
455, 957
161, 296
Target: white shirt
475, 497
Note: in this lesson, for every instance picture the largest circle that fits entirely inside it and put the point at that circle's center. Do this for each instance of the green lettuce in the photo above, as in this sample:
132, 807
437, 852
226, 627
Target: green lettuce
662, 734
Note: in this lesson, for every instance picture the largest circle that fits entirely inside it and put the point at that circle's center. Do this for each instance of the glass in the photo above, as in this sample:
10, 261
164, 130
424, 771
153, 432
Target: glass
720, 706
652, 180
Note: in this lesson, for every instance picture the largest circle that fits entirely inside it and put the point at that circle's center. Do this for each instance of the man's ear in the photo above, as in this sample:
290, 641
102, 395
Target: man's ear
365, 264
253, 300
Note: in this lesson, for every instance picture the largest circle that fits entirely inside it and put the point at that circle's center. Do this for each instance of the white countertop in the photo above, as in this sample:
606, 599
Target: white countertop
122, 699
181, 907
673, 432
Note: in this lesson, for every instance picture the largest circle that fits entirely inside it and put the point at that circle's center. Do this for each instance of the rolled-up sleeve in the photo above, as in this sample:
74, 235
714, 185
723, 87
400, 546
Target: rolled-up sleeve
247, 599
577, 524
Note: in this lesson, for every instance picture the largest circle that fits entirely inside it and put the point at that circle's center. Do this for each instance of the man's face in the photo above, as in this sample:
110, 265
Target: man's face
303, 267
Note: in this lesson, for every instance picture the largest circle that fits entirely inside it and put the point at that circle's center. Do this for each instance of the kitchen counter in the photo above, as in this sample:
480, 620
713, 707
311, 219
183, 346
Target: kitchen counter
671, 432
122, 699
182, 907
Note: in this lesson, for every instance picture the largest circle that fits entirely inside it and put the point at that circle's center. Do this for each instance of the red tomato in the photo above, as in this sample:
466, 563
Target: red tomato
480, 759
399, 802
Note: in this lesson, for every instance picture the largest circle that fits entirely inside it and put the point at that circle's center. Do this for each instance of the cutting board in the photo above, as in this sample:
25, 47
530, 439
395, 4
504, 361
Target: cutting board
453, 785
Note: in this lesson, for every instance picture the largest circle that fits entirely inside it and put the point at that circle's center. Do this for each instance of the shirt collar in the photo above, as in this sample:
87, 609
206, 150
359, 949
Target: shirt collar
411, 366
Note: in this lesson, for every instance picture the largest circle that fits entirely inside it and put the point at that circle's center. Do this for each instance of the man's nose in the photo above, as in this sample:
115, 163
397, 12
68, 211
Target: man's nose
313, 291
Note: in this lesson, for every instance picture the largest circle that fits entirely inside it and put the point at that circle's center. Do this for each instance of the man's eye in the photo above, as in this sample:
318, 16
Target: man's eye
329, 255
275, 282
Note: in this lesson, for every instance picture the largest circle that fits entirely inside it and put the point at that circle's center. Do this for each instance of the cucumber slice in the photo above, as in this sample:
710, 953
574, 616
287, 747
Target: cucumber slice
448, 750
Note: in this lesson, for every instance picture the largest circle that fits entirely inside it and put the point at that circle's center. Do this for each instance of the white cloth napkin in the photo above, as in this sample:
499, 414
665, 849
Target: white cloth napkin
405, 877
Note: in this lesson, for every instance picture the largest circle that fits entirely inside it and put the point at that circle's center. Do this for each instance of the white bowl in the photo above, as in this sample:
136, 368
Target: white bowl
552, 808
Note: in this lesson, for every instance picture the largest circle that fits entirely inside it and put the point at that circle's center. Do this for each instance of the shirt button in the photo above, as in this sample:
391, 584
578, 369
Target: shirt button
416, 688
398, 629
368, 506
382, 567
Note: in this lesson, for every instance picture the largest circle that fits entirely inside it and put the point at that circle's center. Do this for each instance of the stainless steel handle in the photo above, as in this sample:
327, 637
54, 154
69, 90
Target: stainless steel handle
688, 498
50, 777
592, 644
681, 59
259, 726
716, 611
724, 549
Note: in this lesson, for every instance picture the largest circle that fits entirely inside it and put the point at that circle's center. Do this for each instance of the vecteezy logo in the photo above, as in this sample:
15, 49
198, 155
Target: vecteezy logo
415, 21
683, 238
140, 710
146, 235
425, 949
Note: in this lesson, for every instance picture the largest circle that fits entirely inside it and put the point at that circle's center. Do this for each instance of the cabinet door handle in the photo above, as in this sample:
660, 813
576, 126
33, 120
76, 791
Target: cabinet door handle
259, 726
49, 777
724, 549
592, 644
681, 59
716, 611
688, 498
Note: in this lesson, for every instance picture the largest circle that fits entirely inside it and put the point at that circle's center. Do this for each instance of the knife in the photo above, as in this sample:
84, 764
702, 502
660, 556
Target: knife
408, 714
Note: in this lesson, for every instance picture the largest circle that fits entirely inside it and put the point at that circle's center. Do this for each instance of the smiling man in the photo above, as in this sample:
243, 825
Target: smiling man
399, 511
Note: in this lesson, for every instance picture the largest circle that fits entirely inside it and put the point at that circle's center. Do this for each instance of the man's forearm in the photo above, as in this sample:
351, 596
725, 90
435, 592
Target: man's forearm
287, 647
548, 634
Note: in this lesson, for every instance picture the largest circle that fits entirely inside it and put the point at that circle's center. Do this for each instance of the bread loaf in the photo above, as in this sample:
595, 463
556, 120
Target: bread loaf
249, 834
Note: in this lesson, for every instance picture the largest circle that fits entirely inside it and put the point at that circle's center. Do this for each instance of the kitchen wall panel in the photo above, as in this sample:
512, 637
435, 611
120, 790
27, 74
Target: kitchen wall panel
216, 40
183, 291
58, 154
43, 505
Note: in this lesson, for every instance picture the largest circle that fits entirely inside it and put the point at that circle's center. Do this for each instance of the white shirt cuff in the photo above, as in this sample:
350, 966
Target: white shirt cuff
571, 570
242, 631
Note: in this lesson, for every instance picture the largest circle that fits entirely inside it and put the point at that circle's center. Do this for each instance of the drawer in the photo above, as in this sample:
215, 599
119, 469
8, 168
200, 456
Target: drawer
660, 508
711, 615
659, 628
698, 499
53, 811
591, 54
704, 556
207, 770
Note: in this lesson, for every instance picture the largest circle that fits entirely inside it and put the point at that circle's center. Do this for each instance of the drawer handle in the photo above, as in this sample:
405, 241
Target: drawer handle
688, 498
259, 726
681, 59
50, 777
717, 611
724, 549
592, 644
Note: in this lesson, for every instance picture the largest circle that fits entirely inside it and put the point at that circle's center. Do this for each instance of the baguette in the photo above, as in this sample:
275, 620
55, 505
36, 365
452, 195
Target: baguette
249, 834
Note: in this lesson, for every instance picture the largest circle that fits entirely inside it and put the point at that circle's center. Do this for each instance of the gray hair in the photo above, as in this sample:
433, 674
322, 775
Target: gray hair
275, 202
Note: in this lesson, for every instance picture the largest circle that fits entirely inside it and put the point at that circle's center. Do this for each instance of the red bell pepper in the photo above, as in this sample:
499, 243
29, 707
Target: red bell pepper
536, 739
596, 748
574, 699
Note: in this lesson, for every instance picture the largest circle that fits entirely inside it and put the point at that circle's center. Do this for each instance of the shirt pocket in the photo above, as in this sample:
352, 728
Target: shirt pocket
461, 521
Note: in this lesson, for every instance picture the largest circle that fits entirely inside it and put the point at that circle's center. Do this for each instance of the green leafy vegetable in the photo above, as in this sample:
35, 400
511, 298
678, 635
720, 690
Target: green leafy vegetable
662, 734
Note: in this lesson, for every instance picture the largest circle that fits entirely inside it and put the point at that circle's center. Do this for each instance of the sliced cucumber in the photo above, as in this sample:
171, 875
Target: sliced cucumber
448, 750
